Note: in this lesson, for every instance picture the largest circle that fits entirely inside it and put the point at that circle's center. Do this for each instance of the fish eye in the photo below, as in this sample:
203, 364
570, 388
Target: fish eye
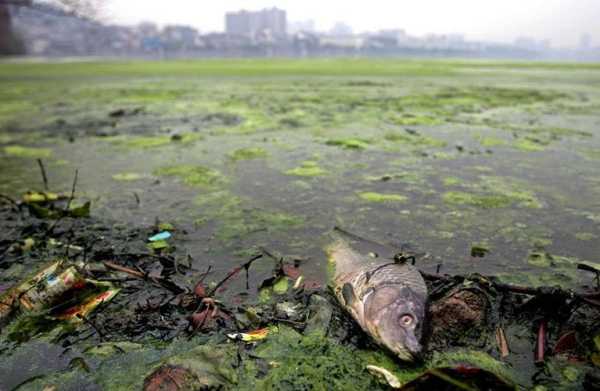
406, 320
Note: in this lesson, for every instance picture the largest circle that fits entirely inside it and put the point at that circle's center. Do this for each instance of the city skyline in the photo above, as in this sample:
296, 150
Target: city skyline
562, 22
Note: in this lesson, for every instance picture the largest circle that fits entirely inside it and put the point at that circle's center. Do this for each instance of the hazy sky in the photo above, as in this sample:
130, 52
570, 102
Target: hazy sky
561, 21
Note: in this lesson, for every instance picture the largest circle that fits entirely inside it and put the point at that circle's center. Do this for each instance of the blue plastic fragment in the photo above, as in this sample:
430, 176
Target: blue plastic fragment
160, 236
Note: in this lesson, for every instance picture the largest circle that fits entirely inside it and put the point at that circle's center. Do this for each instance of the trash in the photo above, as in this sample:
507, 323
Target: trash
298, 283
89, 304
35, 197
287, 309
45, 287
382, 373
28, 243
161, 236
251, 336
46, 210
60, 289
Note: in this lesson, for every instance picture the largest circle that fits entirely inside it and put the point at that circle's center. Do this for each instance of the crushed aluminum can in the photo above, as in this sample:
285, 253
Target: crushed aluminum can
50, 285
58, 288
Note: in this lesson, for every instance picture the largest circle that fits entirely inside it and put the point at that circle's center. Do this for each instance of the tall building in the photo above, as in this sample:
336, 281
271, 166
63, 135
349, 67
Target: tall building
252, 23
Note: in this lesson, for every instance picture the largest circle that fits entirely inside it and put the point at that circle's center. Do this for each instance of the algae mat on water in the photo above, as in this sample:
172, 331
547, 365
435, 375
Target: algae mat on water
445, 157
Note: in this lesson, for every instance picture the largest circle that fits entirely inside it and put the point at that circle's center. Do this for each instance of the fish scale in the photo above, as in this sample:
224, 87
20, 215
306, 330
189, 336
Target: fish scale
350, 265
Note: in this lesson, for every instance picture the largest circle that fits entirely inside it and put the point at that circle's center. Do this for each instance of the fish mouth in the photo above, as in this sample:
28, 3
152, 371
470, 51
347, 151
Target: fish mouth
411, 352
405, 355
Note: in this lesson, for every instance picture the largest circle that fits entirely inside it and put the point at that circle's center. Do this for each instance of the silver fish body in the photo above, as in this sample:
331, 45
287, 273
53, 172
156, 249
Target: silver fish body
387, 299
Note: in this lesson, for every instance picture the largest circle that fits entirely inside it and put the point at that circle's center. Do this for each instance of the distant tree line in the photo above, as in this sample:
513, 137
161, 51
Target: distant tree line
10, 42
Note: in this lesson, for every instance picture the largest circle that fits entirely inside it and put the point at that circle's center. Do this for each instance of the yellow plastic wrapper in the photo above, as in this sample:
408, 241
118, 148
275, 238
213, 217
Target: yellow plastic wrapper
251, 336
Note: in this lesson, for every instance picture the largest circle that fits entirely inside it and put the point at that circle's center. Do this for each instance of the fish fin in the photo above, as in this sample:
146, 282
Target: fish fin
348, 294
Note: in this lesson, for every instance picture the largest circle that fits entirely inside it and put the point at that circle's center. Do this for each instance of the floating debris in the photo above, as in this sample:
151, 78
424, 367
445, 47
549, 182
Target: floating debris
164, 235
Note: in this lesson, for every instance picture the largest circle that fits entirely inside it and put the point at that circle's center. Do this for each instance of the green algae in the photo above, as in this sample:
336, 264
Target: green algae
27, 152
219, 204
316, 362
350, 143
540, 259
585, 236
492, 142
308, 168
310, 362
551, 269
191, 175
494, 192
280, 287
146, 142
451, 181
480, 249
477, 359
127, 176
239, 223
6, 138
478, 200
235, 219
592, 154
413, 139
108, 349
528, 145
248, 154
379, 197
409, 119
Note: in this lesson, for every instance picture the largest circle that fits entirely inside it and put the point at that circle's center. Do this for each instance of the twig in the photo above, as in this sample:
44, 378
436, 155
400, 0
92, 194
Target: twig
541, 343
124, 269
137, 199
205, 274
72, 190
66, 210
142, 255
233, 273
524, 290
43, 171
144, 276
269, 254
502, 343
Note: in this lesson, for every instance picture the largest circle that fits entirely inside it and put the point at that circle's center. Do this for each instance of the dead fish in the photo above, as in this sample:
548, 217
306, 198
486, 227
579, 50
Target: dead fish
386, 298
